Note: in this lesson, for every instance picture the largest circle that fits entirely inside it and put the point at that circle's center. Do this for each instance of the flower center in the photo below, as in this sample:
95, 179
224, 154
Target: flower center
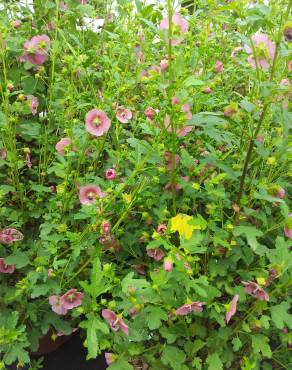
42, 44
96, 121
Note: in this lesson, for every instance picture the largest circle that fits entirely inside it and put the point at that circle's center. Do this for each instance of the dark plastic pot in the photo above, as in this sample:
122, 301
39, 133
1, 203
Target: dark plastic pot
47, 345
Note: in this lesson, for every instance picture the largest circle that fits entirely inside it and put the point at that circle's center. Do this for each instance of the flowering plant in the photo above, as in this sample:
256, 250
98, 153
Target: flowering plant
144, 184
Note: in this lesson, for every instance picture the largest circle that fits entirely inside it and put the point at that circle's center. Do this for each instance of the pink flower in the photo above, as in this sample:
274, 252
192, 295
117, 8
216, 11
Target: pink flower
186, 109
27, 158
288, 227
161, 228
110, 174
177, 20
255, 290
89, 193
97, 122
290, 66
71, 299
207, 90
265, 51
232, 308
281, 193
168, 265
36, 50
34, 103
10, 87
106, 227
190, 307
63, 145
57, 305
149, 113
16, 23
50, 273
164, 64
6, 269
114, 321
219, 66
157, 254
123, 115
260, 139
109, 358
181, 132
8, 236
174, 100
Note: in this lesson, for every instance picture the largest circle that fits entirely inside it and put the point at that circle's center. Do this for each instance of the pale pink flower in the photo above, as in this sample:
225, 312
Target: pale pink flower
219, 66
207, 90
232, 308
156, 253
27, 158
281, 193
10, 87
106, 227
174, 100
62, 5
71, 299
290, 66
57, 305
114, 321
34, 103
260, 139
83, 2
288, 227
123, 115
8, 236
97, 122
177, 20
149, 113
255, 290
36, 50
164, 64
190, 307
110, 174
187, 109
63, 145
236, 51
264, 48
168, 265
89, 193
180, 132
109, 358
6, 269
16, 23
50, 272
161, 228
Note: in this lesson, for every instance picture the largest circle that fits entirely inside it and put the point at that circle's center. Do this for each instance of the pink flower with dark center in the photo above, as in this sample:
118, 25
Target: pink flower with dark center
36, 50
288, 227
34, 103
156, 253
168, 265
110, 174
190, 307
123, 115
89, 193
161, 228
264, 48
174, 100
57, 305
71, 299
8, 236
290, 66
164, 64
114, 321
97, 122
219, 67
255, 290
109, 358
232, 308
63, 145
149, 113
6, 269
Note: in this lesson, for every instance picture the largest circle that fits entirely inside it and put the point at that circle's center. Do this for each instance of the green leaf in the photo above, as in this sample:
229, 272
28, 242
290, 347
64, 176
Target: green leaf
39, 290
29, 130
214, 362
236, 343
194, 244
41, 188
280, 315
120, 365
154, 316
193, 81
260, 343
16, 353
18, 258
251, 233
129, 281
173, 357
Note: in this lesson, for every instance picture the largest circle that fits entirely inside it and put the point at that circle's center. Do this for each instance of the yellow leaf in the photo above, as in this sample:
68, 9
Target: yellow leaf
181, 224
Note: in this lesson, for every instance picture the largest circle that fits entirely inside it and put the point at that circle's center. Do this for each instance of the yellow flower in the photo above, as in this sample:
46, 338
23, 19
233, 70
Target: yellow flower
181, 224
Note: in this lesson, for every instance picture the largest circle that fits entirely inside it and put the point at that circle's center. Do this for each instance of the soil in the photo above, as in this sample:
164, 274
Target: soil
70, 356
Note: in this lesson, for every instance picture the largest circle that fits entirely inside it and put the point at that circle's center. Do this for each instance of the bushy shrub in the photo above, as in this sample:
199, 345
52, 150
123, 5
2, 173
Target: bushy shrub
145, 181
